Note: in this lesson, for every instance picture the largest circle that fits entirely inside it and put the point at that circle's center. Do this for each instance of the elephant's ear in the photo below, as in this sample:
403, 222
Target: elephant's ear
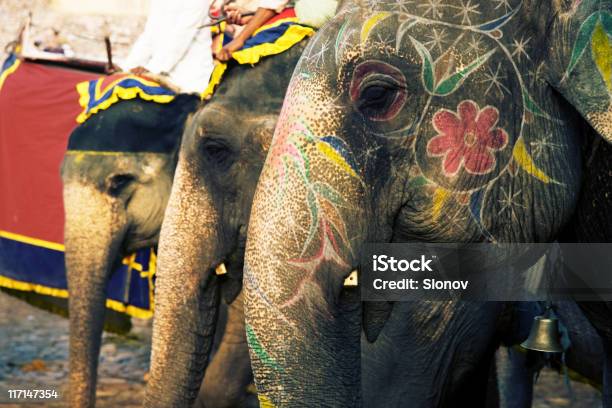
582, 45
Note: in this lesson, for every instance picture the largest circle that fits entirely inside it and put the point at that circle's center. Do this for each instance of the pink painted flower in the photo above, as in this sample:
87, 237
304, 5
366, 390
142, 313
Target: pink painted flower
467, 138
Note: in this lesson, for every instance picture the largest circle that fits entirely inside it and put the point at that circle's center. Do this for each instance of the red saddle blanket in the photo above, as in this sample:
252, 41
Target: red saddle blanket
39, 104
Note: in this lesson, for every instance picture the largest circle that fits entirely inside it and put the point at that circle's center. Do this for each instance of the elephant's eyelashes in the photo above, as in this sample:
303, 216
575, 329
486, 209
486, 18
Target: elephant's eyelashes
378, 90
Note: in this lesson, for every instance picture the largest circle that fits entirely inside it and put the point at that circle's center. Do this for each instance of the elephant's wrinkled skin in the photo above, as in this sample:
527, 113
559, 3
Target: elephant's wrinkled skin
432, 121
222, 151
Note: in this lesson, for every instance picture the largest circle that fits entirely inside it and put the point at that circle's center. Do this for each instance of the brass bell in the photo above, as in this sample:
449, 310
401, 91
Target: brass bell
544, 335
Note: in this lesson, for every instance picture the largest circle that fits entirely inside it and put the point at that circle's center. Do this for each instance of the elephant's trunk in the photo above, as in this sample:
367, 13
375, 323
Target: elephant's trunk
95, 227
186, 294
303, 327
231, 362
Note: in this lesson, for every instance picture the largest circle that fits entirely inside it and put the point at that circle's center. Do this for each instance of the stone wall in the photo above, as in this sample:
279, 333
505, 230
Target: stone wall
83, 32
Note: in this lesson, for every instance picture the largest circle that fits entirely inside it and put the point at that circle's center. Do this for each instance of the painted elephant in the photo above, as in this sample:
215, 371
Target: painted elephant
221, 155
117, 178
435, 121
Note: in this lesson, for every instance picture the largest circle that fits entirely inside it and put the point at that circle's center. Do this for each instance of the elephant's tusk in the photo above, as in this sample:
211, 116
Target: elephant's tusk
351, 280
220, 269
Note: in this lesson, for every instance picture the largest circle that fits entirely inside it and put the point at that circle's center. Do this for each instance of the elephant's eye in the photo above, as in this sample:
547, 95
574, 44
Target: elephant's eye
378, 90
376, 99
117, 183
218, 152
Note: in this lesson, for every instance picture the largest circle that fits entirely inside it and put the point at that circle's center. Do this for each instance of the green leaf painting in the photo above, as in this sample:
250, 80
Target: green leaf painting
450, 84
582, 40
329, 193
259, 349
533, 107
606, 21
313, 208
428, 70
595, 31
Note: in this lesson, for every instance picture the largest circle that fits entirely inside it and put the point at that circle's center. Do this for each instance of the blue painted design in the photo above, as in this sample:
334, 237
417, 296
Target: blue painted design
499, 22
476, 201
342, 148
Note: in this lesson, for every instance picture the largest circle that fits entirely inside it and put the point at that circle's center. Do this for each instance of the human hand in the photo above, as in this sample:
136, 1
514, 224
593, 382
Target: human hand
235, 15
139, 70
225, 53
112, 69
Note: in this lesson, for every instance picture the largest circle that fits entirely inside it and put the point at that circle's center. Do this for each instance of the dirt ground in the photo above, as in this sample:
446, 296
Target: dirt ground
34, 353
34, 350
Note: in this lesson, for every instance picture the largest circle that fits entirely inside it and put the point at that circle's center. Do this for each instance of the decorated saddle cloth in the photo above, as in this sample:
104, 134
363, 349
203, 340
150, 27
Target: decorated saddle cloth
98, 94
38, 107
276, 36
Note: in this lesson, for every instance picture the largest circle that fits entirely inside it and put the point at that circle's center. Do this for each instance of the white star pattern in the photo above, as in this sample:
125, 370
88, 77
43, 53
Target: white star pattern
332, 103
432, 7
318, 58
494, 80
373, 4
458, 218
464, 11
475, 44
401, 6
520, 48
437, 39
538, 147
510, 202
369, 154
534, 76
503, 3
386, 44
